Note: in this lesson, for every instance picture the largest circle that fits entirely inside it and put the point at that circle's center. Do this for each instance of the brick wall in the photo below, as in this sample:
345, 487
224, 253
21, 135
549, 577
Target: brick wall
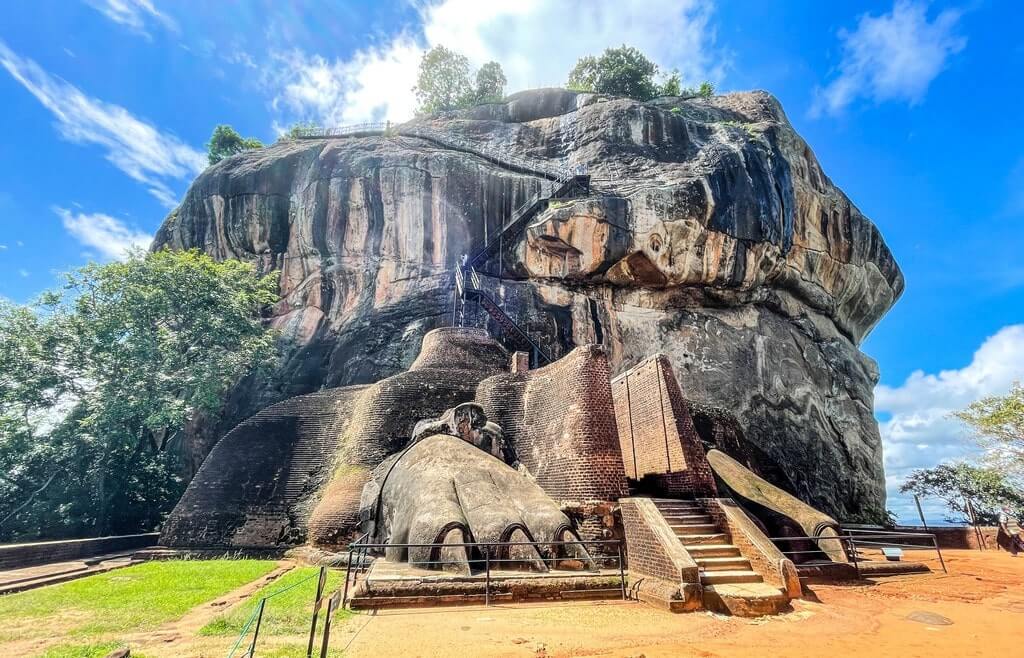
250, 490
651, 546
16, 556
561, 421
656, 434
957, 537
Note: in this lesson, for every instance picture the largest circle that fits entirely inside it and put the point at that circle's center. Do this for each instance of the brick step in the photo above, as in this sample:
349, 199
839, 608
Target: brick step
730, 577
682, 519
664, 506
685, 529
713, 538
730, 563
699, 551
745, 599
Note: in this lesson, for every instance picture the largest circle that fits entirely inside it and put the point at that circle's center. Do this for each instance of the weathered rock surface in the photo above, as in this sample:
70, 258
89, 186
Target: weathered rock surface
712, 236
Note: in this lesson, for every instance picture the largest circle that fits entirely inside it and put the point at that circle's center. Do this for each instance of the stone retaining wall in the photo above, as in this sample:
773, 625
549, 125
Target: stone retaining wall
16, 556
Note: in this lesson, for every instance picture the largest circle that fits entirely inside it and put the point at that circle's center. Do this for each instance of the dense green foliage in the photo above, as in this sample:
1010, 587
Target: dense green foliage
998, 424
445, 82
988, 489
98, 380
133, 599
225, 141
625, 71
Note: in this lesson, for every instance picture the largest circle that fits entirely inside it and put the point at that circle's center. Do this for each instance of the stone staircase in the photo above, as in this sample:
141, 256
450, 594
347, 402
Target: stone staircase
730, 584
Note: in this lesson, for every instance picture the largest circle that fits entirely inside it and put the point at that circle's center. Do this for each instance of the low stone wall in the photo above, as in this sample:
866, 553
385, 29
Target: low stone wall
16, 556
963, 537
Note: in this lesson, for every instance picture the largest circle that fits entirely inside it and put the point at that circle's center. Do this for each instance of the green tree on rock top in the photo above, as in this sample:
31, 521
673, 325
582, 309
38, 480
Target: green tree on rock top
625, 71
225, 141
445, 82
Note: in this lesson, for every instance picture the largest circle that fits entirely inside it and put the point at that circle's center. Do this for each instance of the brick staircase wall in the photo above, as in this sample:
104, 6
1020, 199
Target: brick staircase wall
660, 569
765, 558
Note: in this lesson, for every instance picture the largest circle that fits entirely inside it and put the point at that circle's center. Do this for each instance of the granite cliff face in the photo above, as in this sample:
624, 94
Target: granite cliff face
712, 236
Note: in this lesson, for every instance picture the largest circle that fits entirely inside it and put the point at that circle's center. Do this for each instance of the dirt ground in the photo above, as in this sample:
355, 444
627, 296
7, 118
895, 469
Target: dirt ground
982, 601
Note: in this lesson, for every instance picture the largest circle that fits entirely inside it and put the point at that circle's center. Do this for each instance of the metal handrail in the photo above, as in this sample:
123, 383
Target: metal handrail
865, 540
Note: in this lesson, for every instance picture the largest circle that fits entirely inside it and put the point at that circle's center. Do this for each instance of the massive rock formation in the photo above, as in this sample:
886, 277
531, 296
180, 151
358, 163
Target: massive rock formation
712, 236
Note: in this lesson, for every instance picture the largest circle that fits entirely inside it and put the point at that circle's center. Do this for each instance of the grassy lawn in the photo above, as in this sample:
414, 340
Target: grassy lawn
136, 598
85, 650
287, 613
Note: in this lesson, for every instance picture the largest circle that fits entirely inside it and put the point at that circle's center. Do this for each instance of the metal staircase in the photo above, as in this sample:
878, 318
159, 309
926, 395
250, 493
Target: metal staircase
560, 183
468, 285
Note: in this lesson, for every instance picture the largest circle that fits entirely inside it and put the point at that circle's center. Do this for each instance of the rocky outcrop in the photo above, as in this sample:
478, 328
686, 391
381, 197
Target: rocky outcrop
712, 236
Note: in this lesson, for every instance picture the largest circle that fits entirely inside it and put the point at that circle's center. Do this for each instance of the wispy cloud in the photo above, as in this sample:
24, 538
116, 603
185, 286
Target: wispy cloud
135, 15
132, 145
23, 273
109, 236
919, 432
894, 56
528, 38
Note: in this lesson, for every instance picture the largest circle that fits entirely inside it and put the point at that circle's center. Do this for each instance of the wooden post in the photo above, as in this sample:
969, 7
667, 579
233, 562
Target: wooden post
917, 501
316, 606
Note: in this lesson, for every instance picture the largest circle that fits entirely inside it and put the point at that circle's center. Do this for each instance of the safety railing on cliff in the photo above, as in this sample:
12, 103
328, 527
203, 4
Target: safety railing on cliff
486, 561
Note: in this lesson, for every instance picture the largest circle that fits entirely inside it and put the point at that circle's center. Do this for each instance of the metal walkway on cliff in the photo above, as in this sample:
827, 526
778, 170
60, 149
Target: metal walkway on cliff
562, 183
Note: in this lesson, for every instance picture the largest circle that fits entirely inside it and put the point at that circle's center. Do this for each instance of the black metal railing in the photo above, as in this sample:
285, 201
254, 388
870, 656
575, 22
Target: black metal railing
854, 539
611, 556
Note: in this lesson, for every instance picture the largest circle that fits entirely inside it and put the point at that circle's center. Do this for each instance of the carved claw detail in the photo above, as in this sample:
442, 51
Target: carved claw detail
453, 499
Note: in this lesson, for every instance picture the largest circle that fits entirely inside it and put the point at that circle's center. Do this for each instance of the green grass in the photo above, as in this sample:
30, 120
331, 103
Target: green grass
136, 598
86, 650
288, 613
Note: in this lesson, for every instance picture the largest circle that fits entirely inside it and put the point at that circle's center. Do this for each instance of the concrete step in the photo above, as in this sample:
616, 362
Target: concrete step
729, 577
730, 563
699, 551
685, 529
745, 599
711, 538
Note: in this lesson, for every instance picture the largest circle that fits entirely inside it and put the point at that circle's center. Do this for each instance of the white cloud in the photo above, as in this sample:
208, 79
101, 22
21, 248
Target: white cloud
3, 247
920, 433
133, 14
135, 147
536, 42
894, 56
109, 236
24, 273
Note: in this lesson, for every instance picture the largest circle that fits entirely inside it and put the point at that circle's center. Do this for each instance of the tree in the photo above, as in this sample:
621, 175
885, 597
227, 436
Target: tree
99, 379
623, 71
998, 424
490, 83
672, 85
986, 488
443, 81
225, 141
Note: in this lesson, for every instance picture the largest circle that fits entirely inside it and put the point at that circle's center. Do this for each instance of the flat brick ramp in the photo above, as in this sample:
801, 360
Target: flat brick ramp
398, 585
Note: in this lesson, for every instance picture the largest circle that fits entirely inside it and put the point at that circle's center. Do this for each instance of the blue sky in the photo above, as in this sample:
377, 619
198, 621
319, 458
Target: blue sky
912, 107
